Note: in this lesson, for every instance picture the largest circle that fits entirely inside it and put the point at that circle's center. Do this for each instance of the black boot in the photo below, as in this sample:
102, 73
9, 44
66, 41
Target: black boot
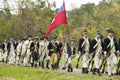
56, 66
94, 70
64, 68
47, 66
70, 69
99, 73
53, 66
35, 65
3, 61
86, 71
32, 64
42, 64
83, 70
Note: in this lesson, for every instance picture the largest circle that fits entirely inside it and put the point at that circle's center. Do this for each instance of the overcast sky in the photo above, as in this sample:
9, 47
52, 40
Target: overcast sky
70, 4
74, 3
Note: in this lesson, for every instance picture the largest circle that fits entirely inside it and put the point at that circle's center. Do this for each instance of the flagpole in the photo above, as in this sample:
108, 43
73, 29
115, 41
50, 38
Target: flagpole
67, 23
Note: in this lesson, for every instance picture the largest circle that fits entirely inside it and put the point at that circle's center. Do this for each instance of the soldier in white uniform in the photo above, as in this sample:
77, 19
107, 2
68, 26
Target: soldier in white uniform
110, 49
71, 55
64, 54
34, 48
85, 48
5, 52
97, 48
18, 51
23, 51
27, 53
43, 52
11, 49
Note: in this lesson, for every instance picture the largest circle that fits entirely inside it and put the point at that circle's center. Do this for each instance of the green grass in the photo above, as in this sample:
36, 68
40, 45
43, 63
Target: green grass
10, 72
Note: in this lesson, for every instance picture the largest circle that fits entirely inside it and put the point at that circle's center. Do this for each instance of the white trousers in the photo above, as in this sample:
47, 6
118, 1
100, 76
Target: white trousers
85, 60
71, 58
17, 59
97, 60
44, 57
26, 59
4, 56
111, 63
12, 57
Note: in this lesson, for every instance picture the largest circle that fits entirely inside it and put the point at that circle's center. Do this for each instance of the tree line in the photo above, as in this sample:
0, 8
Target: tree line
34, 18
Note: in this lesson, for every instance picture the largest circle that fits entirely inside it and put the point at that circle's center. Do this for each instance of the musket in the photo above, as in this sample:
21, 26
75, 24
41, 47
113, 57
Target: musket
67, 60
91, 61
93, 55
102, 66
20, 50
105, 59
80, 54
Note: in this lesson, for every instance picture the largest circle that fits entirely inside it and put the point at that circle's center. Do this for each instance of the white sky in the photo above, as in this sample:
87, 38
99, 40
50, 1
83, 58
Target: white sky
74, 3
70, 4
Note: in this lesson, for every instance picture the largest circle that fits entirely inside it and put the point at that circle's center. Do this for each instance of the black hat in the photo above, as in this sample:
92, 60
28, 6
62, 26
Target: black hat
72, 41
109, 30
98, 31
29, 36
23, 39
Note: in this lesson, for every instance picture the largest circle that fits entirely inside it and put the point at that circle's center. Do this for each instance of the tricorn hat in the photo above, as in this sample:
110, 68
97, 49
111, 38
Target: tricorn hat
72, 41
109, 30
98, 31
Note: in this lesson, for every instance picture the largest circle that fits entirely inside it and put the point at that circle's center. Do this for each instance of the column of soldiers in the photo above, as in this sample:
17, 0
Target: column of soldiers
98, 55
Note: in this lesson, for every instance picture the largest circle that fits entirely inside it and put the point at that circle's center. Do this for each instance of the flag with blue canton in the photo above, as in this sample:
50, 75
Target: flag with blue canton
60, 18
62, 8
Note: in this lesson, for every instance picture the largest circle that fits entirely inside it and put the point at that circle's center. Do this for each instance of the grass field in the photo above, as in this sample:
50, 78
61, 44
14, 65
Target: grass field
10, 72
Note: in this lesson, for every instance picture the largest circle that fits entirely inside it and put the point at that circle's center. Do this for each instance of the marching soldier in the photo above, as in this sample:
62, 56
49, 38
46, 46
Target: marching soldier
97, 47
71, 55
53, 51
19, 50
43, 52
118, 65
110, 49
34, 48
5, 52
25, 55
63, 52
28, 52
15, 45
11, 50
84, 49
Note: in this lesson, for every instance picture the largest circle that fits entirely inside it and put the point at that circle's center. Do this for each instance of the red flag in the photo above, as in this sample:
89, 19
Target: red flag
60, 18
